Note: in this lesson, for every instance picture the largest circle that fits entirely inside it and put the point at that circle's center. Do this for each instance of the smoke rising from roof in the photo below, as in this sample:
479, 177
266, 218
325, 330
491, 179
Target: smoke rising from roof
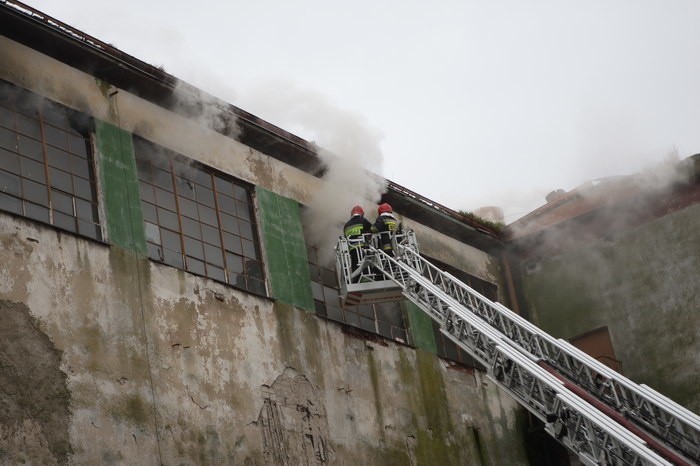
206, 109
346, 144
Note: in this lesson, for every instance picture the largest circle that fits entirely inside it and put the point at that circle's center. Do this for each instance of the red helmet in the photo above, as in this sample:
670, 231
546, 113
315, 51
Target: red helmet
357, 210
384, 208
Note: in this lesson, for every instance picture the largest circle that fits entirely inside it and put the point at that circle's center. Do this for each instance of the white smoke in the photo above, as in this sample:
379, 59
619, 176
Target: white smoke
348, 147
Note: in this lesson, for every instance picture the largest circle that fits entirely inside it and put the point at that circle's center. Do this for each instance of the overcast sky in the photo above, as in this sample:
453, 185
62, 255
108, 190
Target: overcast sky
469, 103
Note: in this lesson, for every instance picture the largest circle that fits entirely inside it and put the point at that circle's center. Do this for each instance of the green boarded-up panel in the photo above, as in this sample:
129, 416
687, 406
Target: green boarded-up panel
285, 249
120, 187
421, 328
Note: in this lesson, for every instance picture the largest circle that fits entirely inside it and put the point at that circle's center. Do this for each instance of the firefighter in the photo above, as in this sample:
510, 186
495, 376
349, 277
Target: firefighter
355, 230
385, 226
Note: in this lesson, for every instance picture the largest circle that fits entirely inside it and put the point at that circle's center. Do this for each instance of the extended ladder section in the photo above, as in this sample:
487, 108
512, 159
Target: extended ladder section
597, 413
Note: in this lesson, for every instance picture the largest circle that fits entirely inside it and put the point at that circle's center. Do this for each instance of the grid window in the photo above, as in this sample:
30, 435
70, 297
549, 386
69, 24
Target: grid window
385, 319
198, 220
46, 165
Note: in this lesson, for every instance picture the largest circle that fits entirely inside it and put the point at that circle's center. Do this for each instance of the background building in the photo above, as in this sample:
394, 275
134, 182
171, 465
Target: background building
613, 266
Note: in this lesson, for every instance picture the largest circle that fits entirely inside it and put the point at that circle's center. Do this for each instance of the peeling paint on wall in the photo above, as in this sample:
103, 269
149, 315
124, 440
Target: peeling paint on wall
34, 397
293, 422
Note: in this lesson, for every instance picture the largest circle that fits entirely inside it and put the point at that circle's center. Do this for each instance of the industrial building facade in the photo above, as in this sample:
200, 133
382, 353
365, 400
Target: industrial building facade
163, 302
160, 301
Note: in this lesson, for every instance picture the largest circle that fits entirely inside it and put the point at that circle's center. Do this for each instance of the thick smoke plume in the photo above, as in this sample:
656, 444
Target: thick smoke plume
630, 196
208, 110
348, 147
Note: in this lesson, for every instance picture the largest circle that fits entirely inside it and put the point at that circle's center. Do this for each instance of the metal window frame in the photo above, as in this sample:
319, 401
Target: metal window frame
96, 213
170, 163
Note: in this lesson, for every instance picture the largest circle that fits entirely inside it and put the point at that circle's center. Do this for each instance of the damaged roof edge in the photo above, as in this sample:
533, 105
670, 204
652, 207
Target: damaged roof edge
32, 28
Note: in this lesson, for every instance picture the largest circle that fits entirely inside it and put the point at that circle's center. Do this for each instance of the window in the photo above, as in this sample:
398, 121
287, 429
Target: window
385, 319
46, 165
197, 219
446, 348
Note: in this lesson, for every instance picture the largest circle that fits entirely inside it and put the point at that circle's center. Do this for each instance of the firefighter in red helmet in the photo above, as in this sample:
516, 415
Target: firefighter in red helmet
385, 226
355, 230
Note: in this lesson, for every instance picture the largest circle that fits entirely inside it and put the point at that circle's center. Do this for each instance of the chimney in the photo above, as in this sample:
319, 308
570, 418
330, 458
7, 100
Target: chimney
556, 194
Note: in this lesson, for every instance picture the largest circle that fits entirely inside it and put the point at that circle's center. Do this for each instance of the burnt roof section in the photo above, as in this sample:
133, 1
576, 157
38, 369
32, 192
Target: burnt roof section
64, 43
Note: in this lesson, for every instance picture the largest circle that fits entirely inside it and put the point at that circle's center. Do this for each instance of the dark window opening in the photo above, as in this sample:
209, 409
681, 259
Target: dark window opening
385, 319
46, 163
447, 348
192, 221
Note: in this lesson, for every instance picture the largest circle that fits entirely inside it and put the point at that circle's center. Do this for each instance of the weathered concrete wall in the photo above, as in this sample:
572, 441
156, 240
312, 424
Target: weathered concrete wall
144, 364
642, 282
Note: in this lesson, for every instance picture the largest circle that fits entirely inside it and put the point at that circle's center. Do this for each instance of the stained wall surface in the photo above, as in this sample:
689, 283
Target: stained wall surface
110, 358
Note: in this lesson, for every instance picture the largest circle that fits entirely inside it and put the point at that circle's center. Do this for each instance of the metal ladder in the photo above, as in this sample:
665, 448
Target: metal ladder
600, 415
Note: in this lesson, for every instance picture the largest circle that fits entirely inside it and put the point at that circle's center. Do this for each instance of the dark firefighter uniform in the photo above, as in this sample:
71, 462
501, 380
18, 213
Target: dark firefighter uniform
385, 225
354, 229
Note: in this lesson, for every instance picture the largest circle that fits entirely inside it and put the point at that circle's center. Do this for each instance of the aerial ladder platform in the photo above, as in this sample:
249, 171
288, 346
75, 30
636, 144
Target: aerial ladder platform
597, 413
